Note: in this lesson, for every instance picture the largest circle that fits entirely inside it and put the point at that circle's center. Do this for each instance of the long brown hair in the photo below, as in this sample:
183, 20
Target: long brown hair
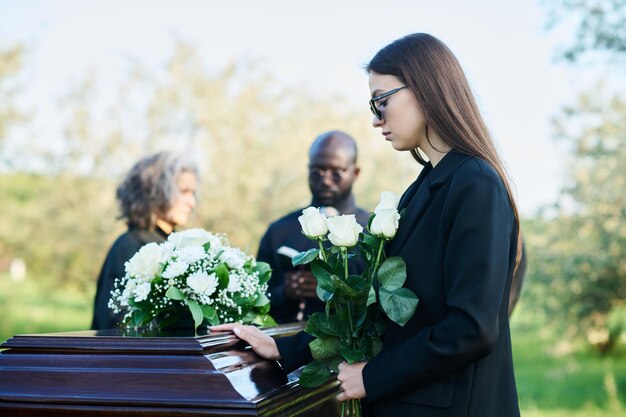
434, 75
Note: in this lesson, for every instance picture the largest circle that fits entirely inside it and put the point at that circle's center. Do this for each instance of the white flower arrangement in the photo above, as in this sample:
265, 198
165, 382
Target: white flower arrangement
194, 272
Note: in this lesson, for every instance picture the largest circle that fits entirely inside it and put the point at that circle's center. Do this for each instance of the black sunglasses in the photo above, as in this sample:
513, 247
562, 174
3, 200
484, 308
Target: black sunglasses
373, 101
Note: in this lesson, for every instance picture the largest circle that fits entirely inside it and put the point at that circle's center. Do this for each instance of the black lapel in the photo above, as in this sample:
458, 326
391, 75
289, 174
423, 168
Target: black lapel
419, 196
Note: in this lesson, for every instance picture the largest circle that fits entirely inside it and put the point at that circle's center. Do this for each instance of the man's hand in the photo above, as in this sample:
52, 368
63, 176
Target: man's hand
262, 344
300, 285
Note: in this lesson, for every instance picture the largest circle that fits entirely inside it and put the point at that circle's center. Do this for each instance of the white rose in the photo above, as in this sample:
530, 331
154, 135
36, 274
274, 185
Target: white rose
202, 283
388, 201
146, 263
344, 230
175, 269
313, 222
190, 237
385, 223
141, 291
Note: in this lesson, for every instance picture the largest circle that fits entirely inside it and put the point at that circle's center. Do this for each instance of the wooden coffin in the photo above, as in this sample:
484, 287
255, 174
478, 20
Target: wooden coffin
109, 373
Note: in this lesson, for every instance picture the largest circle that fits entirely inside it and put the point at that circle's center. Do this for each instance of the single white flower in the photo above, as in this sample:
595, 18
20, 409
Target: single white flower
141, 291
388, 201
344, 230
146, 263
190, 254
175, 269
202, 283
190, 237
385, 223
234, 283
314, 223
234, 258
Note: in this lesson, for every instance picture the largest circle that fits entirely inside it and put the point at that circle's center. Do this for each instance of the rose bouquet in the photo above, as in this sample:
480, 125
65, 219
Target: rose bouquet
193, 273
352, 325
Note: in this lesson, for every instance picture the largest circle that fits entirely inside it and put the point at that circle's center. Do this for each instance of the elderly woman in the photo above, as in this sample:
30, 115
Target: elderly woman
158, 194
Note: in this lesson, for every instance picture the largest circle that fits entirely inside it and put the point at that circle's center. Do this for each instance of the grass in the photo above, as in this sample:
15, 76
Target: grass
554, 377
30, 306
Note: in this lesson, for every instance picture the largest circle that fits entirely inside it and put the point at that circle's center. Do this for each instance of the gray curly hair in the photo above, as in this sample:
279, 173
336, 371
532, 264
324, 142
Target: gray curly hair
147, 191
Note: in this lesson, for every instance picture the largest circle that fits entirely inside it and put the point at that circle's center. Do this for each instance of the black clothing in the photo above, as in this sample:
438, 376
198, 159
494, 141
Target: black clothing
287, 231
458, 238
122, 250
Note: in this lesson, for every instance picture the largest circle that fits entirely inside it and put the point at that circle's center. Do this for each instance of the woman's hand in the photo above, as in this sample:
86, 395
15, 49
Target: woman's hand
262, 344
351, 378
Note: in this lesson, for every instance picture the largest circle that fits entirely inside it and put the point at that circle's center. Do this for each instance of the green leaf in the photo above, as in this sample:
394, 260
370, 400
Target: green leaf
392, 273
314, 374
357, 283
210, 314
265, 272
196, 312
349, 354
305, 257
371, 297
399, 304
370, 346
174, 293
222, 275
139, 317
371, 242
264, 320
261, 300
323, 276
322, 294
333, 363
324, 347
319, 325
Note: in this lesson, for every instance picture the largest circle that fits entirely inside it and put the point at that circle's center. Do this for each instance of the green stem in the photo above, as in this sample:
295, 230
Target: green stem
322, 251
344, 256
378, 255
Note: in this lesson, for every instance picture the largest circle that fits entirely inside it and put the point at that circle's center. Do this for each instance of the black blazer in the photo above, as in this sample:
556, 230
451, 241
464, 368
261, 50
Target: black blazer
458, 238
122, 250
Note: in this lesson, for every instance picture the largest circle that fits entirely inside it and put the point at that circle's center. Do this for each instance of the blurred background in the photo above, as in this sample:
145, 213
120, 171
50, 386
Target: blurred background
88, 88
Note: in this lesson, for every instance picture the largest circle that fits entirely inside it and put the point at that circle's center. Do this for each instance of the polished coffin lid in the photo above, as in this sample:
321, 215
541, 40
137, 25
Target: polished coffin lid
181, 372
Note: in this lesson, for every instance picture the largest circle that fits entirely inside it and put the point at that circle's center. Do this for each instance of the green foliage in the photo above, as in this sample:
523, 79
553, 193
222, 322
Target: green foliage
11, 65
579, 256
599, 26
352, 325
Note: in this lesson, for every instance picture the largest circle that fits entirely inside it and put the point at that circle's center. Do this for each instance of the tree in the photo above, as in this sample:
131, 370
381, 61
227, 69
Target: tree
580, 253
600, 26
11, 64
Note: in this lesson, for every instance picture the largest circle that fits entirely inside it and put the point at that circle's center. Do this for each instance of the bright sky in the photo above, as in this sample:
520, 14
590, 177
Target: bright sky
501, 44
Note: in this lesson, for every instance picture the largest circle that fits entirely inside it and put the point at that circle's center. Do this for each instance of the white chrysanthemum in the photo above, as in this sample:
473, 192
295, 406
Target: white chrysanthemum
202, 283
175, 269
190, 237
234, 283
234, 258
146, 263
142, 291
191, 254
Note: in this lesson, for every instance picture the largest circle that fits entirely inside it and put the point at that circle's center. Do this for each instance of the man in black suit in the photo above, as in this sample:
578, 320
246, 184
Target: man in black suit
332, 171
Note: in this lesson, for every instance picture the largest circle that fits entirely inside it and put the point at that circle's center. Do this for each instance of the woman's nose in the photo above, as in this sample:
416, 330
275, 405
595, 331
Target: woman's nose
376, 122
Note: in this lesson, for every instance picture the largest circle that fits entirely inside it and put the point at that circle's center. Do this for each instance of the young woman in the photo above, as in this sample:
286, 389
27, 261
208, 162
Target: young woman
459, 237
158, 194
